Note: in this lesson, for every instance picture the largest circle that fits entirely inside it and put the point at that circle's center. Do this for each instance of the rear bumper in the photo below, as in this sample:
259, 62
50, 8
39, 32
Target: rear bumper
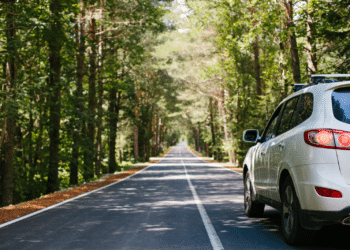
314, 220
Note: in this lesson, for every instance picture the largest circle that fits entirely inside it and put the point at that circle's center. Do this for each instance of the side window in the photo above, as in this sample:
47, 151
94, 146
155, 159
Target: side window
288, 116
271, 126
305, 108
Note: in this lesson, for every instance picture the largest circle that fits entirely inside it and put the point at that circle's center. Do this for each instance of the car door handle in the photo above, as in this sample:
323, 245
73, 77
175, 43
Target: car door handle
281, 146
263, 153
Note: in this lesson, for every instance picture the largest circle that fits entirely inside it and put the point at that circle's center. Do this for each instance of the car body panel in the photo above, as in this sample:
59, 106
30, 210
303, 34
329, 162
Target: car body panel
261, 169
322, 175
332, 122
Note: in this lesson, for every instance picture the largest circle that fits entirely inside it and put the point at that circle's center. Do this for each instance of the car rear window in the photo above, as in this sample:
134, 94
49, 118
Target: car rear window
341, 104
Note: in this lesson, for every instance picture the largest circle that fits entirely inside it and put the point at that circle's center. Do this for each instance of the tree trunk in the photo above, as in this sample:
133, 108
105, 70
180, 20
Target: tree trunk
212, 129
257, 67
92, 102
288, 4
149, 136
10, 112
159, 123
114, 107
79, 103
100, 98
310, 45
54, 41
39, 143
112, 130
30, 133
226, 132
256, 56
136, 129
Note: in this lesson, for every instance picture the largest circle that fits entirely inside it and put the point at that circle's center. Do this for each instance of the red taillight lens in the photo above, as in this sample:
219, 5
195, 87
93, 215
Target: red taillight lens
342, 139
324, 137
320, 138
326, 192
328, 138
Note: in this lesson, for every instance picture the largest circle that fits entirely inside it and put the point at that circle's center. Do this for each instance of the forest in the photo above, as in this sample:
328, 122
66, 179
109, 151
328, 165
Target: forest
91, 86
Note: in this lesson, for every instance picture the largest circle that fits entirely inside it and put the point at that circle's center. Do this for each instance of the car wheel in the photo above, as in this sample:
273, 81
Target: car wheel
293, 232
251, 208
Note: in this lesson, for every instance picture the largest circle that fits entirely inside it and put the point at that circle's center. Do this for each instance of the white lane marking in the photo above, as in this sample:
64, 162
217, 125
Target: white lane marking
214, 238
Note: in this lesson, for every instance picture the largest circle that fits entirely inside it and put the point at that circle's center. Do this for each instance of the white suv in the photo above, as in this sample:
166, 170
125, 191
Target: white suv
301, 162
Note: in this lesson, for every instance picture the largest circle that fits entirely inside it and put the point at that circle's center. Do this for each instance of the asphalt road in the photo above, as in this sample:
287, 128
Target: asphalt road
181, 202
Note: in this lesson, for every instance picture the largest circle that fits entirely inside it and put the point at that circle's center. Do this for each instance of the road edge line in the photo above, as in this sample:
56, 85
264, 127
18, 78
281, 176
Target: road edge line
69, 200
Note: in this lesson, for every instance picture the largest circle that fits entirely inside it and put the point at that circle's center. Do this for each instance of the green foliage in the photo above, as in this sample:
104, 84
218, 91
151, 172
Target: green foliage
128, 26
237, 28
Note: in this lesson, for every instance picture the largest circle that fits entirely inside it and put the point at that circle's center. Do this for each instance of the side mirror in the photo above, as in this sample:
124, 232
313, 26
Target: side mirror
251, 135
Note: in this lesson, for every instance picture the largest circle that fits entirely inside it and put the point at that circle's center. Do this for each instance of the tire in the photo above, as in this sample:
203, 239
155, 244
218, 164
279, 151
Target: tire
293, 232
251, 208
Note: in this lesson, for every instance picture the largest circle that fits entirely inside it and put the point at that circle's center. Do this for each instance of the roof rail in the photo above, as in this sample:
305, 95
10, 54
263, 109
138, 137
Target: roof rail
321, 78
299, 86
330, 75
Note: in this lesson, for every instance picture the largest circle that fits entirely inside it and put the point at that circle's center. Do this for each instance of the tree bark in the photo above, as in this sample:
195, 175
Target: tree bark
310, 45
114, 107
92, 102
149, 135
136, 130
256, 56
100, 97
39, 143
212, 129
288, 4
257, 67
226, 132
10, 120
79, 104
54, 42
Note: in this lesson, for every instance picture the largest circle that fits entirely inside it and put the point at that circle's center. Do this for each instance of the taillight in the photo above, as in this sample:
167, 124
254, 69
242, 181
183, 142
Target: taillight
342, 139
326, 192
320, 138
328, 138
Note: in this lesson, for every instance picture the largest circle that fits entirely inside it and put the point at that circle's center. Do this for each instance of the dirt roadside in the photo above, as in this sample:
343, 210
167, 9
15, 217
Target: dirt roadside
12, 212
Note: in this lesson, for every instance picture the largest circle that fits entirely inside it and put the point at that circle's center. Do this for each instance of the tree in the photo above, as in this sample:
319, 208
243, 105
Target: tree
8, 131
79, 126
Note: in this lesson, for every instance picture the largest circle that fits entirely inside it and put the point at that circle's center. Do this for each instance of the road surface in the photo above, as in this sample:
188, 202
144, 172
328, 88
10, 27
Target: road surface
181, 202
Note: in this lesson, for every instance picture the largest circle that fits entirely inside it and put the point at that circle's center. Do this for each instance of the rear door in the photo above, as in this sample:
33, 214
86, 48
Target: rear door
284, 148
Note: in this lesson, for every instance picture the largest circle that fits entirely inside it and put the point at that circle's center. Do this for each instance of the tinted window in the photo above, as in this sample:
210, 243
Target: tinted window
341, 104
271, 126
305, 109
288, 116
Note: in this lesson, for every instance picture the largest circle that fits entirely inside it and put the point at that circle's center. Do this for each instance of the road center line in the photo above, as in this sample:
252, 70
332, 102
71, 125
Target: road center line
214, 238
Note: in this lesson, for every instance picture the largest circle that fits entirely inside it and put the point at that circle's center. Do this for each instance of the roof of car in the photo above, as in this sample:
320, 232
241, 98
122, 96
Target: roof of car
320, 85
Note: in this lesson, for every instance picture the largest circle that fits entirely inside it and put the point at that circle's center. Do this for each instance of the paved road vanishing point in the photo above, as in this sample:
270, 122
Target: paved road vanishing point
181, 202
